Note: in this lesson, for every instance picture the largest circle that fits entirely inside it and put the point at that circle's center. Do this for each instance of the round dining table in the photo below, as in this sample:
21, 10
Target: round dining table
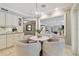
41, 40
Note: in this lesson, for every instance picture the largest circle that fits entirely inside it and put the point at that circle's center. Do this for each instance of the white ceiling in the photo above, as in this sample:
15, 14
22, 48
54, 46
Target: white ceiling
28, 9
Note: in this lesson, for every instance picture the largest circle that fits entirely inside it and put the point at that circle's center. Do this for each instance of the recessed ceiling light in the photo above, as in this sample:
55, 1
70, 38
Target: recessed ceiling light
56, 8
36, 13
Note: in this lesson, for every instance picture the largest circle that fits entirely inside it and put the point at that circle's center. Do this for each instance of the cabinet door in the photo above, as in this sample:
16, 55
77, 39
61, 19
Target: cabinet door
19, 36
15, 21
10, 40
9, 19
2, 41
2, 19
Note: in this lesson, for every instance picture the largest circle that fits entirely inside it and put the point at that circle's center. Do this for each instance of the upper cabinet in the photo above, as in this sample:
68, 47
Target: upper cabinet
11, 20
15, 21
2, 19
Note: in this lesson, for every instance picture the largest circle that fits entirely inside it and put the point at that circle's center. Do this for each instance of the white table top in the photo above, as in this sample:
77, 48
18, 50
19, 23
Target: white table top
43, 38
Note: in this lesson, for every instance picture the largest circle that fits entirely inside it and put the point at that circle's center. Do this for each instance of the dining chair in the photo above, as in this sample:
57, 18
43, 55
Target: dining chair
27, 49
53, 47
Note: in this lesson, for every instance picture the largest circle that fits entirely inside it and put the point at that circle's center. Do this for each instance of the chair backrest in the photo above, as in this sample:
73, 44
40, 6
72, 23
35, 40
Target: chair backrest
55, 48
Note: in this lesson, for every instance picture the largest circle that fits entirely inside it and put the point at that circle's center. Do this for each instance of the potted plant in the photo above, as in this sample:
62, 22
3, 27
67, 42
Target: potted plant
38, 32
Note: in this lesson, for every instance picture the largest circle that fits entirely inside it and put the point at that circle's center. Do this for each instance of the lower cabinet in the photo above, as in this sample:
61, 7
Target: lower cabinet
2, 41
18, 36
14, 37
9, 39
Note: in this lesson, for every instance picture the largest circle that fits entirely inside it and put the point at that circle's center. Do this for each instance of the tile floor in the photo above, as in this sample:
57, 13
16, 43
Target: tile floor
68, 51
12, 52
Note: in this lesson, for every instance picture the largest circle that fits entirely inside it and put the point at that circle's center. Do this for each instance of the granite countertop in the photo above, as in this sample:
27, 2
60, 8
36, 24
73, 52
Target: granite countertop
7, 33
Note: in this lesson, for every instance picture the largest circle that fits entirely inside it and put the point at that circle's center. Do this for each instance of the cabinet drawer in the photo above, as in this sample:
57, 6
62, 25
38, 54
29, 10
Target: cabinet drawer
2, 41
18, 36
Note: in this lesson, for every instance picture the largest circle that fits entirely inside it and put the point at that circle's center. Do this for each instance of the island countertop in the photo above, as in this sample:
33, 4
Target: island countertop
8, 33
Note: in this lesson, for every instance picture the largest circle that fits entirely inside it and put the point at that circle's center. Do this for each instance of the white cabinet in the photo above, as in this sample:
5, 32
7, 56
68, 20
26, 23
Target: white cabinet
2, 19
2, 41
10, 40
15, 21
8, 19
19, 36
11, 20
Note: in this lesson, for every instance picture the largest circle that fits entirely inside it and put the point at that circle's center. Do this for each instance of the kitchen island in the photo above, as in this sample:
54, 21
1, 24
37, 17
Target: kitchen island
7, 39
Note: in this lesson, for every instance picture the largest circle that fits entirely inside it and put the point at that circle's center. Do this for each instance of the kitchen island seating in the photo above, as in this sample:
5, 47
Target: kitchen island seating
53, 47
32, 46
27, 49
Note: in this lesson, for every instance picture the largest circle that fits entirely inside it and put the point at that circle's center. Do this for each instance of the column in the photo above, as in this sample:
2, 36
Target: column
74, 29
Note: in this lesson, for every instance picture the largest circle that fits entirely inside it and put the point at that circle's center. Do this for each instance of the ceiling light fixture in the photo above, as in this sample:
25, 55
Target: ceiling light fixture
36, 12
56, 8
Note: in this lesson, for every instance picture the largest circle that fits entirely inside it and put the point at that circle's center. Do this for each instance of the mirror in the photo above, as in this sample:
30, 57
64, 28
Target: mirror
29, 27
